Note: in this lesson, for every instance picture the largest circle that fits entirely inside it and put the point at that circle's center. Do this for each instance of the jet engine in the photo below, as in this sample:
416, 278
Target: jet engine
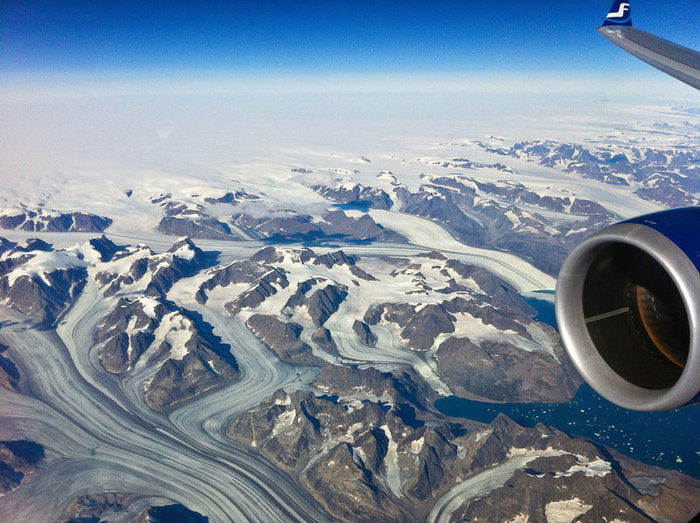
628, 309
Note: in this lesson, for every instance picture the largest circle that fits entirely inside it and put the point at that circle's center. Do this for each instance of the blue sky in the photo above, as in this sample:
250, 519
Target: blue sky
242, 37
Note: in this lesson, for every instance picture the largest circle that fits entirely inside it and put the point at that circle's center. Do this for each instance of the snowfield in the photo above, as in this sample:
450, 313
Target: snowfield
424, 233
127, 158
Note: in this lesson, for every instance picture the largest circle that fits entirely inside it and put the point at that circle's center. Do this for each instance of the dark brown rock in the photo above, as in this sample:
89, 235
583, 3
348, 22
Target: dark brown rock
283, 338
17, 459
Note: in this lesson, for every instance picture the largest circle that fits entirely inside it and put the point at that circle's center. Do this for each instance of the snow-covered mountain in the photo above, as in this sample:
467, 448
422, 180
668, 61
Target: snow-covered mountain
367, 463
263, 334
51, 221
668, 176
386, 336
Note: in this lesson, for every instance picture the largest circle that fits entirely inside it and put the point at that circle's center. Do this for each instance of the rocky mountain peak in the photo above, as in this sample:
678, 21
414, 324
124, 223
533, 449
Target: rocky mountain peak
105, 247
31, 244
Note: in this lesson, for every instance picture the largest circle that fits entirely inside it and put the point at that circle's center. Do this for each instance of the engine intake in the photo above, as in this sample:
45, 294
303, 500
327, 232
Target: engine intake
628, 309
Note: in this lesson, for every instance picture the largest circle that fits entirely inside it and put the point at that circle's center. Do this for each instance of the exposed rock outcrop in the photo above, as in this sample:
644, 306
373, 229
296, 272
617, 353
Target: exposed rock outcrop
506, 216
355, 195
320, 304
9, 375
52, 221
364, 333
263, 288
240, 272
185, 356
151, 273
17, 459
192, 218
293, 227
363, 462
667, 176
41, 283
175, 512
102, 506
498, 372
283, 338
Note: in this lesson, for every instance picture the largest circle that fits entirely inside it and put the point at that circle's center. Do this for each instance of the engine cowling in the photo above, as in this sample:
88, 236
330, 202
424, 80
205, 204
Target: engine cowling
628, 310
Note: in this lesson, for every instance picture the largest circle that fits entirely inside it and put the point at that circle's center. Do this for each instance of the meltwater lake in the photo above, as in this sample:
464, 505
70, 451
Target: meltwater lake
667, 439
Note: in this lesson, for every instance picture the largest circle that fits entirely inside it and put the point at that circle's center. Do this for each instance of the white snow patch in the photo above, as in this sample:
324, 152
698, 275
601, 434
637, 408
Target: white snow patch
43, 264
417, 445
576, 231
149, 304
468, 326
432, 192
350, 432
393, 473
513, 218
474, 329
541, 338
284, 421
565, 511
354, 213
179, 332
184, 251
596, 467
482, 434
283, 401
130, 329
533, 454
174, 329
87, 252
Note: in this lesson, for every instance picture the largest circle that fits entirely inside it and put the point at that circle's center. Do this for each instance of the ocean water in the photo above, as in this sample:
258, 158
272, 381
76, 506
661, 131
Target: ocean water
667, 439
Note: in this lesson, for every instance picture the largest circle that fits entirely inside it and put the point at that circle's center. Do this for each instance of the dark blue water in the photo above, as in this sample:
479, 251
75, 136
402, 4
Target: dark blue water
666, 439
544, 307
354, 206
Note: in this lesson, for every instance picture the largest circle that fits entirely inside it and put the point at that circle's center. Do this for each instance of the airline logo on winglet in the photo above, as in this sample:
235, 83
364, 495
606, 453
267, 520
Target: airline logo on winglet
619, 14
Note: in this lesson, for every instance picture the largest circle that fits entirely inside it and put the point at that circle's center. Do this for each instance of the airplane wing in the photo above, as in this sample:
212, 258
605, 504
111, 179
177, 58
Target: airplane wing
673, 59
643, 354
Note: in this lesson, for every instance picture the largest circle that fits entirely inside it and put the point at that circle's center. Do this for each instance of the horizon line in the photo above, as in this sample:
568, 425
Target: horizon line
211, 82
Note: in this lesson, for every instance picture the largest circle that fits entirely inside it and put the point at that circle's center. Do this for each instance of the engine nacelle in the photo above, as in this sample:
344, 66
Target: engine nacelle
628, 309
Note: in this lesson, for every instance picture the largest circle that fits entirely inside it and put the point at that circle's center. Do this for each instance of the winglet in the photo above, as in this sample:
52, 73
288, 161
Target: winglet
619, 14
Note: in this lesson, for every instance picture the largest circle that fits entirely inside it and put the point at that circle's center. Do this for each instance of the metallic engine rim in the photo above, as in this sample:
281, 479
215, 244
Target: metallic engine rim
574, 333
